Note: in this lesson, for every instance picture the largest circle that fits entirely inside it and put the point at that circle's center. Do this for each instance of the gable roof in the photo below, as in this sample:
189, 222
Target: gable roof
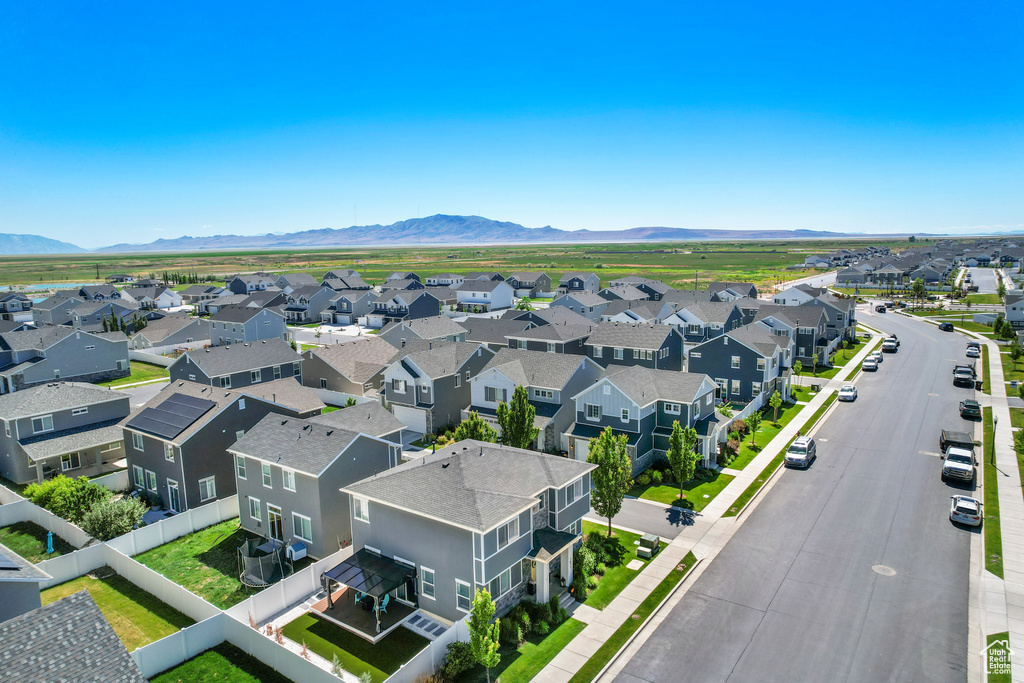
299, 279
66, 640
53, 397
646, 309
471, 484
549, 315
303, 445
480, 285
583, 275
536, 368
38, 340
524, 277
58, 300
555, 332
630, 335
366, 418
583, 298
287, 392
23, 571
433, 327
759, 339
357, 360
236, 314
161, 328
493, 330
644, 386
441, 358
226, 360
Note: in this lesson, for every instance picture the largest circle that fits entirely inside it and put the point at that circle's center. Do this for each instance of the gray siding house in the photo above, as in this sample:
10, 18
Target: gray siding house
355, 368
345, 307
579, 281
437, 328
586, 303
306, 303
747, 363
396, 305
238, 365
246, 325
473, 515
20, 583
60, 428
32, 357
171, 330
55, 310
531, 284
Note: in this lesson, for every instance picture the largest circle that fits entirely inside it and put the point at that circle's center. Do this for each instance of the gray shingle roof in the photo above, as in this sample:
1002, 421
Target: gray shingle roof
441, 358
585, 298
758, 338
493, 330
626, 292
647, 310
299, 279
710, 311
583, 275
479, 285
358, 360
536, 368
434, 327
646, 385
235, 314
26, 571
160, 329
40, 339
556, 332
471, 484
366, 418
630, 335
551, 315
66, 641
301, 445
58, 301
225, 360
50, 398
286, 392
65, 441
525, 277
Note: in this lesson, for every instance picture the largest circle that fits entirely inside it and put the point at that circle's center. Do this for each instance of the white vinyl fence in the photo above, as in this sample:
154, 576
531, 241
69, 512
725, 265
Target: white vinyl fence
338, 398
27, 511
115, 481
156, 534
432, 656
8, 496
149, 357
174, 649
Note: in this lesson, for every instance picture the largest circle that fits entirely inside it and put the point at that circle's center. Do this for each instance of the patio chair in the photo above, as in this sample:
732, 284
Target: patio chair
384, 604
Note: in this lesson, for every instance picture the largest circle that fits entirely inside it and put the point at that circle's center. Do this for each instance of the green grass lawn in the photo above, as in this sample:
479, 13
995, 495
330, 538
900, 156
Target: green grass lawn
694, 492
307, 347
969, 325
523, 664
1017, 417
205, 562
330, 409
991, 676
224, 663
137, 617
141, 372
765, 433
617, 640
803, 394
823, 372
1011, 373
993, 532
28, 539
356, 654
617, 576
983, 299
986, 385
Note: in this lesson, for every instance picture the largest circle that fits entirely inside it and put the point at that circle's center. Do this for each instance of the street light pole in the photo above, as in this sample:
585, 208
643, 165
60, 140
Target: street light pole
995, 423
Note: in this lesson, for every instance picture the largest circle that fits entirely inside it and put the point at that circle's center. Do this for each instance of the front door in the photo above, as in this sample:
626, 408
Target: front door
173, 497
276, 527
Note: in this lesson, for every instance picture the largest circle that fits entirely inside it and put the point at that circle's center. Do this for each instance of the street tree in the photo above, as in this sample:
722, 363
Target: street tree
475, 428
516, 420
754, 421
483, 635
798, 367
814, 360
682, 458
1015, 353
918, 289
775, 402
613, 476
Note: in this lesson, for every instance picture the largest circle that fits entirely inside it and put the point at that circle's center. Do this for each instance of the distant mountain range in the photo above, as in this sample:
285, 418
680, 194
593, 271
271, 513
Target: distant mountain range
34, 244
441, 229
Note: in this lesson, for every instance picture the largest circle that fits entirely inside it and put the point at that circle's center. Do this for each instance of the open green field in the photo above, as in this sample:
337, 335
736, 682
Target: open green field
680, 264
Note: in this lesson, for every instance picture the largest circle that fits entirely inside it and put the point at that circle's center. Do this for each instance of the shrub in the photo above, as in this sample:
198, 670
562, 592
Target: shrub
523, 623
600, 569
733, 446
510, 632
591, 582
553, 609
656, 478
458, 659
586, 561
739, 426
67, 498
541, 628
563, 614
643, 479
111, 518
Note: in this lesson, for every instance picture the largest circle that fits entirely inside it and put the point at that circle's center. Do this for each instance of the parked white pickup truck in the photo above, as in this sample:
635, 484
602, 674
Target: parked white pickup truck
958, 464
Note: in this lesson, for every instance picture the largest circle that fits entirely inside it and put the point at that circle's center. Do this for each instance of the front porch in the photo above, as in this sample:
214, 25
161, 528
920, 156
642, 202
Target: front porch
551, 548
358, 616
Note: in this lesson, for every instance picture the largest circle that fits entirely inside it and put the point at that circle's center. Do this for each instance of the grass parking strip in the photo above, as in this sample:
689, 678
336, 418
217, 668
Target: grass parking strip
617, 640
995, 672
993, 533
986, 386
768, 471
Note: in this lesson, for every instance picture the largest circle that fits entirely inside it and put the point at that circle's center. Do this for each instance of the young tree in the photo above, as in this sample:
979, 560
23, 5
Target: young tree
682, 459
918, 289
349, 402
475, 428
1001, 289
524, 304
775, 402
814, 361
1015, 353
613, 476
516, 420
798, 367
754, 421
483, 635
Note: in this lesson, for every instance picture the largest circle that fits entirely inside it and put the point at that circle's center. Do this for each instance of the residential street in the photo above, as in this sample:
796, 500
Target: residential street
985, 278
793, 596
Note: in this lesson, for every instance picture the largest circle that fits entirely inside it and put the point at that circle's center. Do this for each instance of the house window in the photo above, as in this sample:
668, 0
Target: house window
637, 353
151, 480
207, 489
593, 411
361, 509
240, 466
495, 394
625, 414
137, 441
267, 481
755, 388
693, 329
256, 376
458, 380
735, 362
302, 527
521, 343
323, 382
192, 378
598, 351
168, 452
508, 533
735, 386
543, 393
254, 509
79, 411
42, 424
617, 353
289, 479
140, 478
225, 382
551, 347
467, 371
760, 364
463, 596
427, 583
71, 461
573, 491
501, 584
673, 408
239, 434
398, 385
277, 372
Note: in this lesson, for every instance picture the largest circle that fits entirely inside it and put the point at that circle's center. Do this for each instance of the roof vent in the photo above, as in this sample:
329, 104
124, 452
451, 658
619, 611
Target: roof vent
305, 428
329, 432
284, 422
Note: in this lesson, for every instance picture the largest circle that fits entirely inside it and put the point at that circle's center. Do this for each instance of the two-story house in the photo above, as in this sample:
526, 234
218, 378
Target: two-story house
642, 404
747, 364
731, 291
14, 306
91, 314
246, 325
406, 285
700, 321
246, 284
238, 365
626, 292
347, 306
588, 304
427, 386
550, 380
798, 294
484, 295
355, 368
56, 310
553, 338
472, 515
806, 325
1013, 308
402, 275
199, 295
288, 282
176, 444
842, 320
148, 298
336, 273
60, 428
445, 280
437, 328
34, 357
529, 284
494, 332
348, 282
289, 474
652, 346
484, 275
395, 305
632, 311
306, 303
170, 331
579, 281
99, 293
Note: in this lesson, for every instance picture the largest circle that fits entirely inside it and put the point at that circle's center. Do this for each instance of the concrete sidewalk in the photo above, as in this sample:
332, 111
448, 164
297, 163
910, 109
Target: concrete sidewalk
708, 533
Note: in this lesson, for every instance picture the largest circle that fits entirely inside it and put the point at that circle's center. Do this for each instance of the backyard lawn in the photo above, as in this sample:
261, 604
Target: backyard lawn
141, 372
765, 433
137, 617
622, 548
28, 539
523, 664
205, 562
356, 655
696, 493
224, 663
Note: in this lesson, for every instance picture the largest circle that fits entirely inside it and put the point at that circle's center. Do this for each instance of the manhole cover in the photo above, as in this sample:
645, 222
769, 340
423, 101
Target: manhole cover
883, 570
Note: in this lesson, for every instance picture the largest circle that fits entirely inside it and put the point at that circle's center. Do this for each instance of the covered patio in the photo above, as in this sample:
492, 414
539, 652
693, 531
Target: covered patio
92, 449
374, 594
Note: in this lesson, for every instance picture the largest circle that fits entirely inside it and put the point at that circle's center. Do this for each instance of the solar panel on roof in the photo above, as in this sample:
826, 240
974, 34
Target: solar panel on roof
172, 417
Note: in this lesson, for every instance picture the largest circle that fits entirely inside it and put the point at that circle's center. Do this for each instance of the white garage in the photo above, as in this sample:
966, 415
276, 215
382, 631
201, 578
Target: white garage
413, 418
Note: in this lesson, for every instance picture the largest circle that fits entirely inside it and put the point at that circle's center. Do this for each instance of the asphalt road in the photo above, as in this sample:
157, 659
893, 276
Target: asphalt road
985, 278
793, 595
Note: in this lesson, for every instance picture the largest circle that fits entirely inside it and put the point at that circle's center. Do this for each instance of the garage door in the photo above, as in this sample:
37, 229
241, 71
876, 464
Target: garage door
413, 418
582, 449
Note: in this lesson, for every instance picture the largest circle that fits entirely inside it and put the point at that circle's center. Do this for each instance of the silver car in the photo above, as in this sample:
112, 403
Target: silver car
870, 364
801, 453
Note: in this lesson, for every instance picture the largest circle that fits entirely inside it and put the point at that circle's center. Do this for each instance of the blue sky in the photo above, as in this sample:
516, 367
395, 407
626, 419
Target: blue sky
133, 121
